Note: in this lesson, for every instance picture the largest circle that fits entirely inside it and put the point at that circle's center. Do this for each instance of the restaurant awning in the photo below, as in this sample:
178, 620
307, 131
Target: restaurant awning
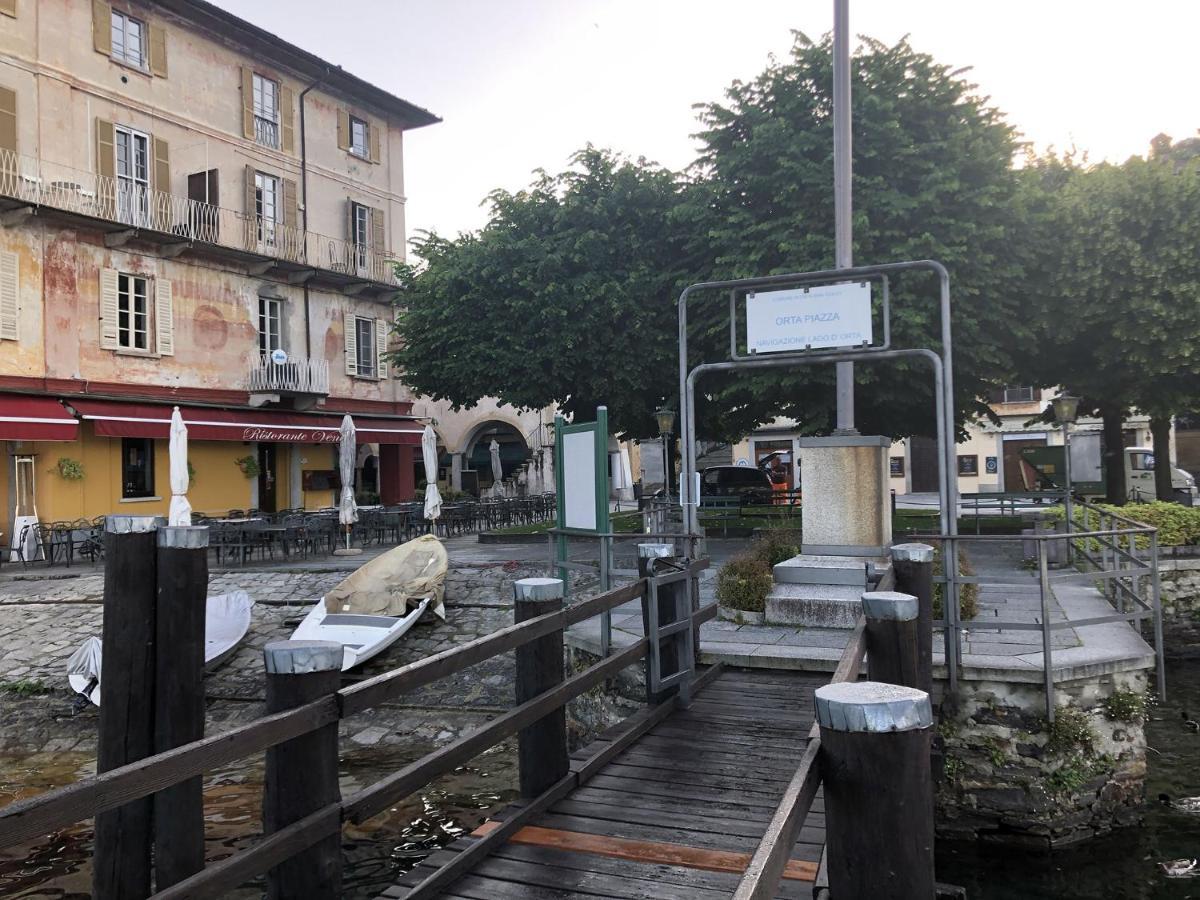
114, 419
25, 418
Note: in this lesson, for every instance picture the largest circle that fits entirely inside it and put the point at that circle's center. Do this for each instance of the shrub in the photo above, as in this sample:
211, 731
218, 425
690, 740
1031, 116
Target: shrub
776, 545
1177, 525
1125, 706
1070, 730
968, 594
69, 469
744, 582
248, 465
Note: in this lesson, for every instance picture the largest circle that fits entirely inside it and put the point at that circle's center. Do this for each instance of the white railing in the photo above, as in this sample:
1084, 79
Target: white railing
51, 185
297, 376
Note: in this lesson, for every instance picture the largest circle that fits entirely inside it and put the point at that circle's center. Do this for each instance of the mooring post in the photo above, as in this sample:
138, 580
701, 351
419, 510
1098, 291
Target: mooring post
182, 573
892, 637
542, 756
649, 557
121, 858
302, 774
875, 741
913, 567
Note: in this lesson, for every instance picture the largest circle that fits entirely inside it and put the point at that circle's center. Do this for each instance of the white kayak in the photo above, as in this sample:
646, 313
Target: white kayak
226, 621
361, 636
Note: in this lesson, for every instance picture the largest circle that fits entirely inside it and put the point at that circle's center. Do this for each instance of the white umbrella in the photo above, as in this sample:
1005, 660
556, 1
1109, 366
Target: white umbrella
347, 453
497, 468
429, 454
181, 511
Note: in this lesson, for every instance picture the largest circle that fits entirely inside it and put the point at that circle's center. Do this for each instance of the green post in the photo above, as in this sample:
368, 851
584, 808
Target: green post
560, 500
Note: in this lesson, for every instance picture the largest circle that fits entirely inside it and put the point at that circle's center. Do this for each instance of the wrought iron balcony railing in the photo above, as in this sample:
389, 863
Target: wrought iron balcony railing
296, 376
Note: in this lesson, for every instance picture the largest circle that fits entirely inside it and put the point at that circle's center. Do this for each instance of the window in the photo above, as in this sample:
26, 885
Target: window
128, 40
360, 226
137, 468
365, 332
266, 207
133, 312
359, 138
270, 319
132, 149
1141, 461
897, 466
266, 111
1018, 395
968, 465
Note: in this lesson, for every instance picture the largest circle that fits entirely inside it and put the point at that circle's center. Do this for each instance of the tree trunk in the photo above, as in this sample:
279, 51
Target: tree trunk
1160, 432
1114, 454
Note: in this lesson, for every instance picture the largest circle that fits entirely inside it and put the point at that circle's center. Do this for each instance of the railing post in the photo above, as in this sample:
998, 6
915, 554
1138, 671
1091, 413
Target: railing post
121, 862
541, 747
662, 613
892, 656
1044, 592
302, 773
605, 585
875, 746
913, 567
1156, 605
179, 697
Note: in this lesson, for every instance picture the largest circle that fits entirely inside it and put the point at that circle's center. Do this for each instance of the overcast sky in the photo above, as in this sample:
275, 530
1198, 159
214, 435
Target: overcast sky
521, 84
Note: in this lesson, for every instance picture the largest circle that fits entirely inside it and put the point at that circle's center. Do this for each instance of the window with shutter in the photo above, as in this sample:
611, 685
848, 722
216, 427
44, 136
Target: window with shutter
368, 353
381, 341
164, 317
102, 27
343, 129
350, 327
158, 51
162, 166
247, 103
373, 133
109, 310
287, 119
9, 293
8, 121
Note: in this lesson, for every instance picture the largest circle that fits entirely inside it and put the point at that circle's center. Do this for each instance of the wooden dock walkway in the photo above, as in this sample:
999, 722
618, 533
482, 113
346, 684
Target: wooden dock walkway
678, 814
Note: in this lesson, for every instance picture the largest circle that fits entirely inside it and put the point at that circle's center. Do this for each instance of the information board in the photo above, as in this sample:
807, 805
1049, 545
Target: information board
811, 318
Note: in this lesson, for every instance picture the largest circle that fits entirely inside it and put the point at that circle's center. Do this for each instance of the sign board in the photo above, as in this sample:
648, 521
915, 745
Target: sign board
582, 473
279, 356
812, 318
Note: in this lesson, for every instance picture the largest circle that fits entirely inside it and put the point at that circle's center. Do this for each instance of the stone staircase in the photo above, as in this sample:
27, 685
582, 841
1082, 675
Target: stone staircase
822, 591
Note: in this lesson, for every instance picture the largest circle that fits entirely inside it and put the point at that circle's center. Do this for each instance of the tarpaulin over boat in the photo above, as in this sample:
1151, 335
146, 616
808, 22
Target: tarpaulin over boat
389, 583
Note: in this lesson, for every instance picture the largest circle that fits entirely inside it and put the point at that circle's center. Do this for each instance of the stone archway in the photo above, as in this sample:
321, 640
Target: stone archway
476, 455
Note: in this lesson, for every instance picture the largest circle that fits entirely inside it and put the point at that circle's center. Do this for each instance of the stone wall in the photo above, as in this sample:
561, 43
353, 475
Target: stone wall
1008, 777
1179, 581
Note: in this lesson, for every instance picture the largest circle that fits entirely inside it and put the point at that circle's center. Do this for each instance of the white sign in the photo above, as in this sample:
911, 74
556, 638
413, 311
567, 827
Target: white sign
579, 480
279, 356
831, 315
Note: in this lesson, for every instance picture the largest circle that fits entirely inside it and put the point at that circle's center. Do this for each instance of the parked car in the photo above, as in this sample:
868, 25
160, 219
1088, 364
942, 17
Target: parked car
746, 482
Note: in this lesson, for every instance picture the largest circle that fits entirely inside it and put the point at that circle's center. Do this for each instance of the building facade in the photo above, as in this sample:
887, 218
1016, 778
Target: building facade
193, 212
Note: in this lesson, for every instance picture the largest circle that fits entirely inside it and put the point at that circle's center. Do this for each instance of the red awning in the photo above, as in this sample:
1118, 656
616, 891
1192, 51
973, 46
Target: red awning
24, 418
112, 419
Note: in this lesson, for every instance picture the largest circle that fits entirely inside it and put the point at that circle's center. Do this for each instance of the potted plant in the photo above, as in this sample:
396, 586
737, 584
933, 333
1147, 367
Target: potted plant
249, 466
70, 469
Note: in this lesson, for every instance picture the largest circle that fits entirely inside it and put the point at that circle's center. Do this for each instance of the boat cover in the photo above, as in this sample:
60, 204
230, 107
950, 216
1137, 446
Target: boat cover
388, 584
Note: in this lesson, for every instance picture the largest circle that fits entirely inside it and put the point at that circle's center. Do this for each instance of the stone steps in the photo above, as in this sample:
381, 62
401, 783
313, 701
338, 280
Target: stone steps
815, 605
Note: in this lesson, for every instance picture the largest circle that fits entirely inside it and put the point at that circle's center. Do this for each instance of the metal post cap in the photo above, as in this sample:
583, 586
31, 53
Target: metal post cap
183, 537
538, 589
921, 553
656, 551
302, 657
890, 605
873, 707
115, 524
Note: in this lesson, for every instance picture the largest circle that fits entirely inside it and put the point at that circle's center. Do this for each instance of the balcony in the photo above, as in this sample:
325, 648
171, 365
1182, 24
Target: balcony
307, 380
127, 211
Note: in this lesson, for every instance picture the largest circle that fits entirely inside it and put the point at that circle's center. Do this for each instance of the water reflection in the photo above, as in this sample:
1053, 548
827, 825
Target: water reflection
377, 852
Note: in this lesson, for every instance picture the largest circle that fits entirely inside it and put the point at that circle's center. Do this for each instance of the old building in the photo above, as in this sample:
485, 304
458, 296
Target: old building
193, 212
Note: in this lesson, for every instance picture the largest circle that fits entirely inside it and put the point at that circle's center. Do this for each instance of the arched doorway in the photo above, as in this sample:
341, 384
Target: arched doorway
477, 456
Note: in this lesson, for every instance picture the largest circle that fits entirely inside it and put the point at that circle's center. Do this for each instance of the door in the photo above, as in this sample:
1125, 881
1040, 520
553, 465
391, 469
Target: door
266, 478
133, 176
1019, 475
923, 464
205, 197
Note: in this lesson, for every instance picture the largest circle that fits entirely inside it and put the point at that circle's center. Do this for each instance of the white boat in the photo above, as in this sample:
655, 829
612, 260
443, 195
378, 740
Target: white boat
362, 636
226, 621
378, 603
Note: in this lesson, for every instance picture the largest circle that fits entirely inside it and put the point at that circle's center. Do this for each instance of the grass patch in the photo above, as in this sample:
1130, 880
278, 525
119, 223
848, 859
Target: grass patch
1125, 706
25, 687
968, 594
1070, 731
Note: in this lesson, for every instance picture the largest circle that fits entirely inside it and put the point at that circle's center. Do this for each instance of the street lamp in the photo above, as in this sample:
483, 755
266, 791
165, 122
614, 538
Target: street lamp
1066, 410
666, 424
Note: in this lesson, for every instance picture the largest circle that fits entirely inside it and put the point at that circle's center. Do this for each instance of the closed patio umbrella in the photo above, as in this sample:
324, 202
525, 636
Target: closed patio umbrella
429, 455
180, 512
497, 468
347, 452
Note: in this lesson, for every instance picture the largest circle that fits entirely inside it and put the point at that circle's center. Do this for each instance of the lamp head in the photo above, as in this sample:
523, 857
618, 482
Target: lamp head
1066, 409
666, 420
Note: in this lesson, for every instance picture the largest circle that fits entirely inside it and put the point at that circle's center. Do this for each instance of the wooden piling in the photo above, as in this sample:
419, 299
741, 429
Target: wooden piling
302, 774
891, 637
650, 556
913, 566
182, 574
541, 747
121, 855
875, 741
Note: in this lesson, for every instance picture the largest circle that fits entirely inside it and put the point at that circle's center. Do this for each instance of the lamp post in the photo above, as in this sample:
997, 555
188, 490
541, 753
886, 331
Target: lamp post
1066, 410
666, 425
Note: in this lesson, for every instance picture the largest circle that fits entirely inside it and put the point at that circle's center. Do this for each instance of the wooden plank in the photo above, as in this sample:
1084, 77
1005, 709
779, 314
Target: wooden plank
386, 686
222, 877
651, 775
699, 765
684, 806
808, 846
40, 815
374, 799
850, 663
603, 884
476, 887
712, 822
704, 791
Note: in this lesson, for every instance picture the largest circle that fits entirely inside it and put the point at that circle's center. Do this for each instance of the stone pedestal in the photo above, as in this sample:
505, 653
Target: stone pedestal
847, 508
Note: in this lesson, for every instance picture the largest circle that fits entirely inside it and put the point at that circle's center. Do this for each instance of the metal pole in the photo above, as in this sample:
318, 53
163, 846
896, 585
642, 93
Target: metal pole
1044, 590
1156, 599
842, 189
1067, 478
605, 584
666, 468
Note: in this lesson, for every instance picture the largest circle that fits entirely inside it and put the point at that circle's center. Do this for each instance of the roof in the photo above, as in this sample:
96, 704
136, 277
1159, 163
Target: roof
276, 49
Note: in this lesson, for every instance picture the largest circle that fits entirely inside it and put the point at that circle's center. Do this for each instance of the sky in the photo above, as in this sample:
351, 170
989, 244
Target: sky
522, 84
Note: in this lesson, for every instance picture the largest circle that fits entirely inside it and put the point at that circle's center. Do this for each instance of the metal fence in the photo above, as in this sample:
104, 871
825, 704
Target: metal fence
1114, 552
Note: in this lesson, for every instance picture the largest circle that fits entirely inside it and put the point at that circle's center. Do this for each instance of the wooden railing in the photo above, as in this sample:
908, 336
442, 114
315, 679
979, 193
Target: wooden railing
34, 817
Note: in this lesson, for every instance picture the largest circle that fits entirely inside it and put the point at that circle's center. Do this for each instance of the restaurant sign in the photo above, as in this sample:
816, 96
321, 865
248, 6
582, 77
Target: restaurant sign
810, 318
293, 435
